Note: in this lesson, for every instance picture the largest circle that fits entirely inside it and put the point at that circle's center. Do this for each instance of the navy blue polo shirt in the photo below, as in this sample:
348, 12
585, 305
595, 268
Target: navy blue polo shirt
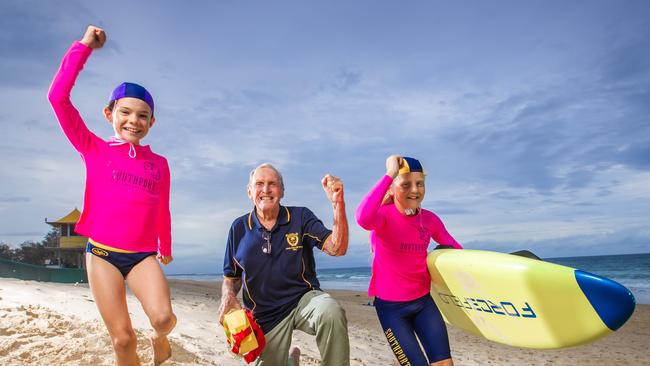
274, 283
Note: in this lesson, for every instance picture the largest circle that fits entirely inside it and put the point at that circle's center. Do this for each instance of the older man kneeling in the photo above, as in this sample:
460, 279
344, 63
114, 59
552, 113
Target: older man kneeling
272, 248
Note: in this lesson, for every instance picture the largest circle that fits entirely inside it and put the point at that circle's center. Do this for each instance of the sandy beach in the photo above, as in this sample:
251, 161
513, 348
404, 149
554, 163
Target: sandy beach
57, 324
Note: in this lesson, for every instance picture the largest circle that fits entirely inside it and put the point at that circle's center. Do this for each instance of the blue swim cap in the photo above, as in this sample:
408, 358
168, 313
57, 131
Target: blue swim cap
410, 165
132, 90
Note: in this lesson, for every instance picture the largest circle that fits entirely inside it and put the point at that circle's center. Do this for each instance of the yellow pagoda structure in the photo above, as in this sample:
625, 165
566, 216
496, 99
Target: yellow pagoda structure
70, 249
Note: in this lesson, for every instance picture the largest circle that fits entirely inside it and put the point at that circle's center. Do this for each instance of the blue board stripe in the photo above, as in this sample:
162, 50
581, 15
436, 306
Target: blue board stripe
613, 302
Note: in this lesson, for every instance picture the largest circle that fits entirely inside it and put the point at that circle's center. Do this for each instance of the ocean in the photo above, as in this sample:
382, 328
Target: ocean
630, 270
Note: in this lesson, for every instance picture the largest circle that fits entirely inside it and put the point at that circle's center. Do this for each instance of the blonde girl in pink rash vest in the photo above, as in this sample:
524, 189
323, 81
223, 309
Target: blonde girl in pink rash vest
126, 206
400, 233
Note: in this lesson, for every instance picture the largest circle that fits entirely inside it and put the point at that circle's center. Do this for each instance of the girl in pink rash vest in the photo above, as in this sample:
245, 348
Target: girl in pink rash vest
126, 206
400, 233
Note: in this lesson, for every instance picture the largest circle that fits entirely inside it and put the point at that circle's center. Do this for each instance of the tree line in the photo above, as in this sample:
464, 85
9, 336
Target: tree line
32, 252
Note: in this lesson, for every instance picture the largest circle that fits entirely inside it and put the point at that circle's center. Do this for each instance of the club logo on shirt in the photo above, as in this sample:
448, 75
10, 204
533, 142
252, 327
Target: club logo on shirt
99, 252
424, 234
293, 239
151, 171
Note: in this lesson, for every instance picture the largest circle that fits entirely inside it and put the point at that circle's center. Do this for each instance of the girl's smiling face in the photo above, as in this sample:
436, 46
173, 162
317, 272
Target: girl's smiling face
408, 191
131, 119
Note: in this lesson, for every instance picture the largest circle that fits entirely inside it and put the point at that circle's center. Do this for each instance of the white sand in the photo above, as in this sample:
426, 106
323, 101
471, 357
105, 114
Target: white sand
57, 324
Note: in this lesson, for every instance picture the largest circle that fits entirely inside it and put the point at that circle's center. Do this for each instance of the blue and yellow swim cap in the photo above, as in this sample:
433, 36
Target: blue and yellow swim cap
410, 165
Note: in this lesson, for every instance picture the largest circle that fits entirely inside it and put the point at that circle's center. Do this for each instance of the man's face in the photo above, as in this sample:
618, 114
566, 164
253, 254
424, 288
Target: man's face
265, 189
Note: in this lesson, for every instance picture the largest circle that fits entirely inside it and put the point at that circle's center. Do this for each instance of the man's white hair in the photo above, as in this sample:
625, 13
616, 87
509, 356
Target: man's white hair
269, 166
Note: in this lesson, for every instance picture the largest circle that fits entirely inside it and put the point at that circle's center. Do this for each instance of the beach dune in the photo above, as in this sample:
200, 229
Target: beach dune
57, 324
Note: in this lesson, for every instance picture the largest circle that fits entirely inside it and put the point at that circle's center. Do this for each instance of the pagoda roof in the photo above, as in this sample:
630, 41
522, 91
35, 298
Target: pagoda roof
70, 218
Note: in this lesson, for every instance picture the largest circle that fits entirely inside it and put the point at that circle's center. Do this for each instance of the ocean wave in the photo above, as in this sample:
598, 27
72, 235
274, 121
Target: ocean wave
360, 277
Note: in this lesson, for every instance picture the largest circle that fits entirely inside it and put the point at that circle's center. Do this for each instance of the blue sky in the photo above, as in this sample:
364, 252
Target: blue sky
531, 118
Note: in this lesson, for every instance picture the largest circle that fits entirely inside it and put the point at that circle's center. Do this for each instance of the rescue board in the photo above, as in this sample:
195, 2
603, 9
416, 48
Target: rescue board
524, 302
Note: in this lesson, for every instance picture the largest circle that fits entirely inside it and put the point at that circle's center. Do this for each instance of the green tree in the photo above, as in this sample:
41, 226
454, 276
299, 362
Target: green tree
6, 251
33, 253
51, 239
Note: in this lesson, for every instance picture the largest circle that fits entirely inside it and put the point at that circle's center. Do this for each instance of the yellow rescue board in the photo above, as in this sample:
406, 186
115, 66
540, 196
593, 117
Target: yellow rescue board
525, 302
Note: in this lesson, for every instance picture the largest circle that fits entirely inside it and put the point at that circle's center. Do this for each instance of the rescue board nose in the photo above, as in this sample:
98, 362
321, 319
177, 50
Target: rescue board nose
613, 302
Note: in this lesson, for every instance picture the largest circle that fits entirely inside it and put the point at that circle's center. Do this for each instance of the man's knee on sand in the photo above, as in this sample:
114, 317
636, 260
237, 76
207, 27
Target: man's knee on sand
333, 315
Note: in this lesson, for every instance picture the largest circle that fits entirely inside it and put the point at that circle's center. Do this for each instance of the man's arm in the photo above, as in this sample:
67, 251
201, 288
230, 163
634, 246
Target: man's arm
336, 243
229, 290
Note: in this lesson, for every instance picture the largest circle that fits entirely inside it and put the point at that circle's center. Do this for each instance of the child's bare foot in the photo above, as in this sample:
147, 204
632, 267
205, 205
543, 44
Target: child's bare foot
294, 356
162, 350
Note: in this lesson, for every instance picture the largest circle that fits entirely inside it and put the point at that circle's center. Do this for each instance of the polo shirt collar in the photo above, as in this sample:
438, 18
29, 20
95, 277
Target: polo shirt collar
283, 218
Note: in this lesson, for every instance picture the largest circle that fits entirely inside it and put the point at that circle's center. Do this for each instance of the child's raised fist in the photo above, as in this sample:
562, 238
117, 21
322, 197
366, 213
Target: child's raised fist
94, 37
